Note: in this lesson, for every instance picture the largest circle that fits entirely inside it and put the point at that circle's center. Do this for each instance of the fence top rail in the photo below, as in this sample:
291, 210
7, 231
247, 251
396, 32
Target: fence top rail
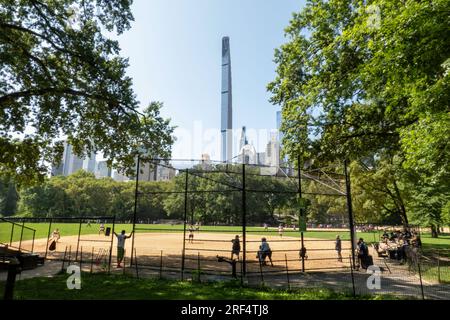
57, 218
17, 224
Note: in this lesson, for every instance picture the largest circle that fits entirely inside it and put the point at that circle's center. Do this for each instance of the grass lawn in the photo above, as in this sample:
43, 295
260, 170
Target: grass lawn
123, 287
435, 274
68, 229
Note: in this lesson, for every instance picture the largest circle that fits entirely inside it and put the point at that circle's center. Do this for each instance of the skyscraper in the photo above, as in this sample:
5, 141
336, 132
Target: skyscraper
226, 104
102, 170
90, 163
243, 141
72, 163
280, 134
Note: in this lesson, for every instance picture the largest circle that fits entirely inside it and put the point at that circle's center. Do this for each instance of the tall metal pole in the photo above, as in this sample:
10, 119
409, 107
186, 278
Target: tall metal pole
21, 234
136, 193
48, 237
301, 212
111, 243
78, 241
244, 222
350, 211
184, 223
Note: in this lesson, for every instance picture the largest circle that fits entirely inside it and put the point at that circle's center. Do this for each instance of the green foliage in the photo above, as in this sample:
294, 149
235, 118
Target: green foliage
60, 76
81, 194
370, 80
8, 196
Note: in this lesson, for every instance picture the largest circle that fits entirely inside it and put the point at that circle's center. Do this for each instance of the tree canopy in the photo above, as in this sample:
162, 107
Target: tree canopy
370, 80
60, 76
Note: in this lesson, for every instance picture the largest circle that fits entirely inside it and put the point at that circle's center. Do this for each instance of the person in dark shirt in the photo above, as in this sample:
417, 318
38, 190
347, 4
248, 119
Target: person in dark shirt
338, 248
363, 251
236, 248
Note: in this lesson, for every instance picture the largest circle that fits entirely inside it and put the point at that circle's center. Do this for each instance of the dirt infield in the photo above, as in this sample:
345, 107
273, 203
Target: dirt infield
206, 247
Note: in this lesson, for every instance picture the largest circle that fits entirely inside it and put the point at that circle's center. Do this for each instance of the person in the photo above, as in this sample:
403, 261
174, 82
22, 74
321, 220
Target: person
56, 235
197, 226
338, 247
302, 253
363, 253
266, 227
236, 248
102, 228
264, 251
280, 230
191, 234
121, 246
294, 227
88, 224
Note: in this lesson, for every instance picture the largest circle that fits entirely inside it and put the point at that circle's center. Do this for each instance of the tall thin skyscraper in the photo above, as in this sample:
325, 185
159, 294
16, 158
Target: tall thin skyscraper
280, 134
226, 106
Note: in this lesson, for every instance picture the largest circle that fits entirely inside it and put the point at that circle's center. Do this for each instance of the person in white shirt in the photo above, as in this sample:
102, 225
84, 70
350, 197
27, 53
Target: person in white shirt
121, 246
280, 230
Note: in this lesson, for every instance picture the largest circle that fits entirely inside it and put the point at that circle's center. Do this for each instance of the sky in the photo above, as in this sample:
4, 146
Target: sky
174, 51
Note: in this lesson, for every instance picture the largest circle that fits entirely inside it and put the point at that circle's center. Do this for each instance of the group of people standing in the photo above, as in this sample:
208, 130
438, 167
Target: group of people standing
263, 252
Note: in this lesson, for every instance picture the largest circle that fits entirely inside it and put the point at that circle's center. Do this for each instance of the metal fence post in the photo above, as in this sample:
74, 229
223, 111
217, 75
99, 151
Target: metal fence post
21, 235
136, 263
160, 265
244, 223
184, 223
48, 237
12, 233
78, 241
13, 270
439, 266
353, 277
420, 277
287, 272
92, 258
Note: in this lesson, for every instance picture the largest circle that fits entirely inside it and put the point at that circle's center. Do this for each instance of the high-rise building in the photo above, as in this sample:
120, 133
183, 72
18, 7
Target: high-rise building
284, 161
72, 163
118, 176
57, 169
102, 170
89, 163
248, 155
280, 134
226, 103
261, 158
205, 162
273, 152
243, 141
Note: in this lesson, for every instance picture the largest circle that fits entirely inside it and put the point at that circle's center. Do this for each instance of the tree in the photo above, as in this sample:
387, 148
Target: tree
360, 80
60, 76
8, 196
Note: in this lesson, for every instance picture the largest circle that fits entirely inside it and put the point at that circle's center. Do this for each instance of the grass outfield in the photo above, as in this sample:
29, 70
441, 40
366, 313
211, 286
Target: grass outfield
123, 287
68, 229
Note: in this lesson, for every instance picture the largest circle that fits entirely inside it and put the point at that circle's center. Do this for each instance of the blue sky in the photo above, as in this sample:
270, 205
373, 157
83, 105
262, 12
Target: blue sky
174, 50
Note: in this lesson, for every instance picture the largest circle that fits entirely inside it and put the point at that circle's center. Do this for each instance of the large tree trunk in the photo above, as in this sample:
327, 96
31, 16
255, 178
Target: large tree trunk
401, 206
434, 232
